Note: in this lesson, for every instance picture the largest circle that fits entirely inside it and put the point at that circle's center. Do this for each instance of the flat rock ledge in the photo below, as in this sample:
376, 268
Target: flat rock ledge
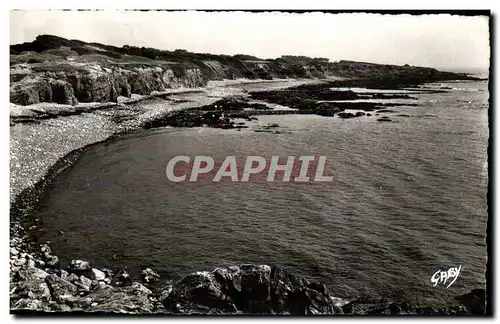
39, 284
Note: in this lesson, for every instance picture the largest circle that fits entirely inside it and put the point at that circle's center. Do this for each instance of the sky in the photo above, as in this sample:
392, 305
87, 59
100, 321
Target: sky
441, 41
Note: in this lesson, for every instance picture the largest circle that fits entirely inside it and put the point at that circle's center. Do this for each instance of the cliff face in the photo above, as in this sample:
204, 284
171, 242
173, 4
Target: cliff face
54, 69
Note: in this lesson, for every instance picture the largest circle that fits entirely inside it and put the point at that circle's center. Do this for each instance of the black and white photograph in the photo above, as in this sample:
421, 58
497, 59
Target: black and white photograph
250, 162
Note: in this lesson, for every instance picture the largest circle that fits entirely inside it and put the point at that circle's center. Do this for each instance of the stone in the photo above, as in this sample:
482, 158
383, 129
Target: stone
44, 248
109, 273
98, 274
32, 273
31, 305
474, 301
394, 308
39, 263
81, 268
20, 262
52, 261
137, 288
62, 308
84, 283
198, 292
149, 276
76, 301
122, 278
32, 289
164, 292
120, 300
72, 277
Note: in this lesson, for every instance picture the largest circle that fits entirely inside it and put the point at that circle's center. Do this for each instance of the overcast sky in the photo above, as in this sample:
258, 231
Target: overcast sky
441, 41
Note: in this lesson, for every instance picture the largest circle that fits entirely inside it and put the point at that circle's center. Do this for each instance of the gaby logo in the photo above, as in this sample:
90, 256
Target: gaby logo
289, 169
441, 277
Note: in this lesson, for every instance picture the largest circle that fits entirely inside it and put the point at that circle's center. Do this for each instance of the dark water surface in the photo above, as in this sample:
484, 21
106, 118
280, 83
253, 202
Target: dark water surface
408, 198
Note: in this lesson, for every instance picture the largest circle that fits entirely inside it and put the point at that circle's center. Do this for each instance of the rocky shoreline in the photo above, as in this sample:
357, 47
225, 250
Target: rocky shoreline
56, 135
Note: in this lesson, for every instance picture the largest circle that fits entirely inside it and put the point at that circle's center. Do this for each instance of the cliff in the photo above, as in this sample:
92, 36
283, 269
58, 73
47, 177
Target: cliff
55, 69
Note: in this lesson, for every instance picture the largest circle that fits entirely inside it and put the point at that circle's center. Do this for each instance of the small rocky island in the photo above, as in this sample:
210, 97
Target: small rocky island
53, 78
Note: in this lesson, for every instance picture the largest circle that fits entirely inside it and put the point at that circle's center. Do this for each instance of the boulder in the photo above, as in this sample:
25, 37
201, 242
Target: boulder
80, 268
248, 289
198, 292
42, 89
149, 276
20, 262
29, 304
32, 289
122, 278
132, 299
345, 115
51, 261
44, 248
32, 273
60, 287
63, 274
474, 301
98, 274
